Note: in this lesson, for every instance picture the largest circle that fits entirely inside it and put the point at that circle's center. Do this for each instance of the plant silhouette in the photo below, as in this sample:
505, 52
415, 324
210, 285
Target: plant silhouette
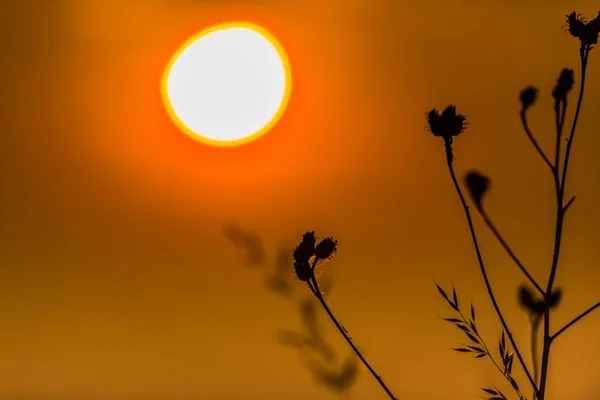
536, 300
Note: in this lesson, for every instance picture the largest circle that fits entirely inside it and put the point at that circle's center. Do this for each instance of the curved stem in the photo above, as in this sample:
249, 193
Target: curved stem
482, 267
317, 292
512, 255
532, 139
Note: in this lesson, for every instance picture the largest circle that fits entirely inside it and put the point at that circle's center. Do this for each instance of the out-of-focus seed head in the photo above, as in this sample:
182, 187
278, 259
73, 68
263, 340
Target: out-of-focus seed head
447, 124
564, 84
554, 298
528, 96
326, 248
478, 186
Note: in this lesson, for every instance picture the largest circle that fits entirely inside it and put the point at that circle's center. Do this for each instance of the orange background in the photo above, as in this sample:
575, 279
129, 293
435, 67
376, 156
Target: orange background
116, 279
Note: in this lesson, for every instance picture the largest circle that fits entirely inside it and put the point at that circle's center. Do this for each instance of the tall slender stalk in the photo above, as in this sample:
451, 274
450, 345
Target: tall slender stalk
560, 214
449, 160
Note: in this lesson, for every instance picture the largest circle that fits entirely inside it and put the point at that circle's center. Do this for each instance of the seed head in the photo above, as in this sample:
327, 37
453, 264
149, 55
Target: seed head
447, 124
478, 186
306, 249
303, 270
586, 32
326, 248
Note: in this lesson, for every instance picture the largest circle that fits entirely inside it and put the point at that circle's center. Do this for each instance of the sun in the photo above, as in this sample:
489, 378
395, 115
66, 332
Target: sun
228, 84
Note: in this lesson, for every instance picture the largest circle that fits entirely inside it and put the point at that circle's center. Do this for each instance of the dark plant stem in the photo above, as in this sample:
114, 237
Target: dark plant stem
535, 325
314, 287
449, 158
532, 139
512, 255
560, 212
567, 326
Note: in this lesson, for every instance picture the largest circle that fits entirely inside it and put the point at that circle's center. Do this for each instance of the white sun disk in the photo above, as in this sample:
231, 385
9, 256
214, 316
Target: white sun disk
227, 85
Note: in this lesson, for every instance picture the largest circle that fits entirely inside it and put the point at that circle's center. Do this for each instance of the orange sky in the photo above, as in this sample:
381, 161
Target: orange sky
116, 279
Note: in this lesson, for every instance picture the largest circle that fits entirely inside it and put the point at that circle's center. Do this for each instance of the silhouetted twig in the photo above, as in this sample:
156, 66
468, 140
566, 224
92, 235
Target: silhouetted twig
567, 326
507, 248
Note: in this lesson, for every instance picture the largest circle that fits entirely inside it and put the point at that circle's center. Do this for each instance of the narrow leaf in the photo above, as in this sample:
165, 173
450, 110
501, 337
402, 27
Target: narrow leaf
477, 349
509, 364
455, 320
490, 391
473, 338
461, 350
454, 296
473, 327
462, 327
444, 295
472, 312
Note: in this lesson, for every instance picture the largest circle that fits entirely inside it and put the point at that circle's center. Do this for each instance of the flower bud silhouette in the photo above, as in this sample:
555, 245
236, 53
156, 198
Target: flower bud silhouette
447, 124
478, 185
325, 248
564, 84
306, 249
528, 96
303, 270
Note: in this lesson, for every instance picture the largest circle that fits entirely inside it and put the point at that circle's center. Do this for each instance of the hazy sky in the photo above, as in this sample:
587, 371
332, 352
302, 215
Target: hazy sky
116, 278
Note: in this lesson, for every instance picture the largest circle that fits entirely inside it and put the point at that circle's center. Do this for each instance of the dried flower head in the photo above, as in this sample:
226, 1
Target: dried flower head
303, 270
564, 84
326, 248
478, 185
586, 32
447, 124
306, 249
528, 96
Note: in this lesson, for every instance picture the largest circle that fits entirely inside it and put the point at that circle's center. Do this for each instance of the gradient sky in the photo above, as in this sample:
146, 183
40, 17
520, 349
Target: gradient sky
117, 280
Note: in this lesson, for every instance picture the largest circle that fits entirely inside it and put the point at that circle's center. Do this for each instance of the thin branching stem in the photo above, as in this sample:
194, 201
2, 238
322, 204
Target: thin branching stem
449, 158
314, 286
560, 212
512, 255
566, 207
532, 139
580, 316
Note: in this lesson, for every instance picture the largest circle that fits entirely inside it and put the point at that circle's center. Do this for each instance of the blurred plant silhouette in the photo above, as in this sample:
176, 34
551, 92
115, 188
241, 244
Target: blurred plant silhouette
536, 300
317, 354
